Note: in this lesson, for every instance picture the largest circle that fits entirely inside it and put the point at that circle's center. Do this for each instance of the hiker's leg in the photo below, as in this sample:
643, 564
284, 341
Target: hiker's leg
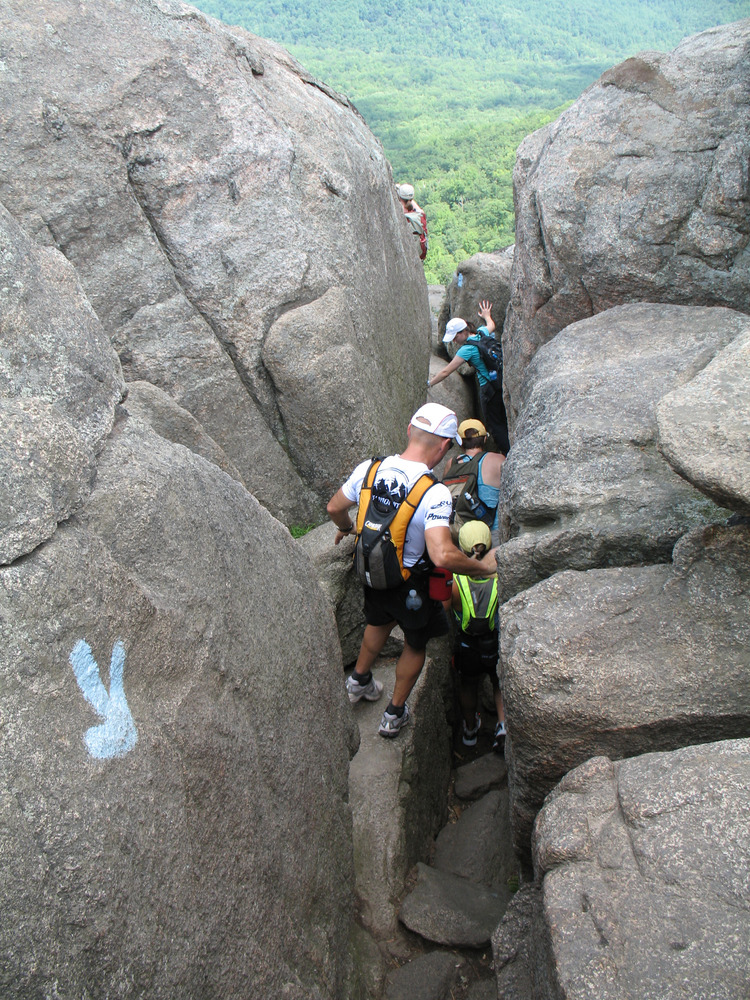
468, 698
498, 695
373, 640
408, 668
493, 415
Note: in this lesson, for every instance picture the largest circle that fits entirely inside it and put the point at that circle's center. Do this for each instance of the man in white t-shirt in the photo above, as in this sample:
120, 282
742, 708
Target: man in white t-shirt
431, 432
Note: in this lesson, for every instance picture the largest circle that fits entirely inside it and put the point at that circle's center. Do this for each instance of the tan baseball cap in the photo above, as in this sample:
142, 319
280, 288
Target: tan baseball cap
471, 424
474, 533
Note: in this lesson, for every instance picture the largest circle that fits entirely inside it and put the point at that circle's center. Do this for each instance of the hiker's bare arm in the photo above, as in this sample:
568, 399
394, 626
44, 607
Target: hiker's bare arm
445, 372
492, 467
338, 509
485, 311
444, 553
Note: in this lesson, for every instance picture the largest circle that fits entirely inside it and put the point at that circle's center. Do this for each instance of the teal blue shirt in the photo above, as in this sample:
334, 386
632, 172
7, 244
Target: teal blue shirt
468, 352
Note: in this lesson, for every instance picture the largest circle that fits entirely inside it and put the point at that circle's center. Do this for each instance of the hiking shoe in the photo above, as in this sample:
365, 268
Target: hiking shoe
469, 736
391, 724
499, 745
370, 692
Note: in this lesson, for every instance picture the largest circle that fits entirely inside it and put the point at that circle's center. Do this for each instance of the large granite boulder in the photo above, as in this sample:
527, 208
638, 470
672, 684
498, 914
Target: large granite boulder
619, 662
585, 484
175, 817
643, 866
234, 224
638, 192
170, 421
59, 382
704, 427
483, 276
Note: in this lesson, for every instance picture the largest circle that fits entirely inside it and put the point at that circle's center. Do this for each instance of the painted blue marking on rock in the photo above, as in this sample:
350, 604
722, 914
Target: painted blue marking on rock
117, 734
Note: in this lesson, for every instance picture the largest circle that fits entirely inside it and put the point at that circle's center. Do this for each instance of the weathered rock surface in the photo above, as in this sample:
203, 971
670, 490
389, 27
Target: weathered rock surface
644, 865
152, 652
154, 407
585, 484
483, 276
427, 977
620, 662
172, 861
397, 791
232, 221
704, 427
478, 846
480, 776
59, 383
368, 967
638, 192
515, 944
485, 989
450, 910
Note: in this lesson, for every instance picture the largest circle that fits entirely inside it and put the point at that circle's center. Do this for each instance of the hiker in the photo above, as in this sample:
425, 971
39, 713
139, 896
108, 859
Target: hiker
474, 479
475, 649
415, 215
424, 541
490, 382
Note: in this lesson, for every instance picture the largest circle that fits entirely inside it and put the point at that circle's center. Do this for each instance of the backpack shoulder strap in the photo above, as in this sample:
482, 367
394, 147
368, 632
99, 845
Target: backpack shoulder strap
365, 493
400, 523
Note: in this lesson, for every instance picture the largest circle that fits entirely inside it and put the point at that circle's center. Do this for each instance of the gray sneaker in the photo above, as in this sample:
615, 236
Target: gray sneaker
469, 736
390, 725
370, 692
499, 743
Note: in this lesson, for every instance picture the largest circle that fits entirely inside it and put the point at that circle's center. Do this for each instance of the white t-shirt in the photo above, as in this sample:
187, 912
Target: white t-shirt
395, 478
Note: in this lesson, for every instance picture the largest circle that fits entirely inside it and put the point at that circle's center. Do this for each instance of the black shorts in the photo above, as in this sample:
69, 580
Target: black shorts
475, 655
385, 606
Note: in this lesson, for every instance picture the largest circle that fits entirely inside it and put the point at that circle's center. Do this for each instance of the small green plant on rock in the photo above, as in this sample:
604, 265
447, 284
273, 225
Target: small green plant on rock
298, 530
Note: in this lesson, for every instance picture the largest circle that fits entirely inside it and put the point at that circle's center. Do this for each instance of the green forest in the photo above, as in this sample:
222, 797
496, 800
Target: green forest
451, 87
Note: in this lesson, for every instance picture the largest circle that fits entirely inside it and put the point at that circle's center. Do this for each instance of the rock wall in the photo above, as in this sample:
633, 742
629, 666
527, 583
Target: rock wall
585, 483
619, 662
233, 223
483, 276
166, 830
644, 863
626, 563
638, 192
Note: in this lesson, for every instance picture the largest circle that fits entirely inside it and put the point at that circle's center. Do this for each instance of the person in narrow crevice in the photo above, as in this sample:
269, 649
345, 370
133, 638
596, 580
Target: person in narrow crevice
476, 645
396, 584
415, 216
489, 377
473, 478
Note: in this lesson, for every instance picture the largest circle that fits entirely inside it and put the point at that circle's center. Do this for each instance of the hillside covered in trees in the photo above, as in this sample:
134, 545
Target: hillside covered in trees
450, 87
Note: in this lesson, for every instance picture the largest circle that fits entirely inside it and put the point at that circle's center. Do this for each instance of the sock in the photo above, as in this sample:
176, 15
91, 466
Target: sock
393, 710
362, 679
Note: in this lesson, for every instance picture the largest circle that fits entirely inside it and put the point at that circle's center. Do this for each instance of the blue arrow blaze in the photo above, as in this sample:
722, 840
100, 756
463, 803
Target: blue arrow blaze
117, 735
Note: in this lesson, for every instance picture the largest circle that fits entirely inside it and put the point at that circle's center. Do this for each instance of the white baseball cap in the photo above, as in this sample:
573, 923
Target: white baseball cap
437, 419
452, 327
405, 192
